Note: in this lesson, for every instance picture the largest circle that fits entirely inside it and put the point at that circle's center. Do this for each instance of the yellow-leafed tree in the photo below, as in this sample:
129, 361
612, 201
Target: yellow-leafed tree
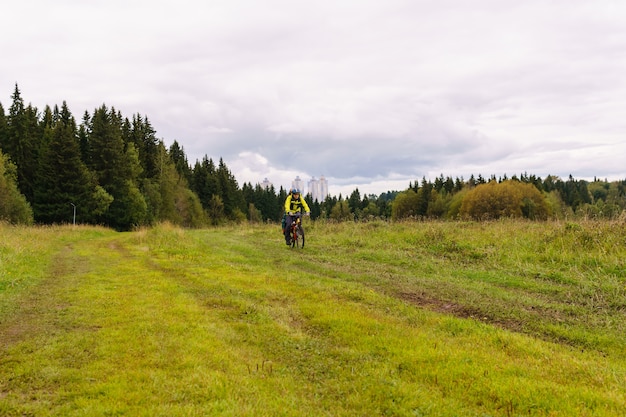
494, 200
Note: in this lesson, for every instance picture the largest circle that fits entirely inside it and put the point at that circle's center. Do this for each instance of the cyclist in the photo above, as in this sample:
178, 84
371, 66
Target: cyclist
293, 203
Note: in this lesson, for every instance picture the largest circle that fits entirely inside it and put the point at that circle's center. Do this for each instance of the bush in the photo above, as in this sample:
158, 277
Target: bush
13, 205
505, 199
405, 205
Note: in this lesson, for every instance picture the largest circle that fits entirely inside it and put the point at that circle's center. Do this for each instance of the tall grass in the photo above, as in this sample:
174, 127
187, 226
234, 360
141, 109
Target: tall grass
561, 281
411, 319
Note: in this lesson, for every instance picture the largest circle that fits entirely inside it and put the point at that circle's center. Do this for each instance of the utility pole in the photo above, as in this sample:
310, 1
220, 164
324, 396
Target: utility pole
74, 221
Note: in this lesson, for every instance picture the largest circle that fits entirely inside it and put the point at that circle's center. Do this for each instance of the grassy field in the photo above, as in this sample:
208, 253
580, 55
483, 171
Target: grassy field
506, 318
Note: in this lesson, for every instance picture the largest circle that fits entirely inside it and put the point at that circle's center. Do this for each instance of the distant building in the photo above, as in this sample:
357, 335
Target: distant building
266, 185
323, 189
318, 189
297, 183
313, 188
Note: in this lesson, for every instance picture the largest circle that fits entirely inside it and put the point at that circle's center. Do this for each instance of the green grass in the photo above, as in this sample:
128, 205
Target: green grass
410, 319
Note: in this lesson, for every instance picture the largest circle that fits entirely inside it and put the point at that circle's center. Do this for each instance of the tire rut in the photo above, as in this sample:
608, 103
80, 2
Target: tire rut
40, 309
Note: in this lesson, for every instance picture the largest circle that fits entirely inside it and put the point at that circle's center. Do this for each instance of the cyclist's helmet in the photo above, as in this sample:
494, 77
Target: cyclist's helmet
295, 191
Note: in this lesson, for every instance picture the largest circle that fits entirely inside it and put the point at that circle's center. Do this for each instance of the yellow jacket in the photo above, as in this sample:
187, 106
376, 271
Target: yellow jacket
296, 205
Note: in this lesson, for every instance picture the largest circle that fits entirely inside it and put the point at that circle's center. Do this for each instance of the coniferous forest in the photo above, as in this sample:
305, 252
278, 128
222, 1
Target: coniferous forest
112, 170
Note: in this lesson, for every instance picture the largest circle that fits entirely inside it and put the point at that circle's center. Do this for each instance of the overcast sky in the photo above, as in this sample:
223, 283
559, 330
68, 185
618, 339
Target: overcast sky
370, 94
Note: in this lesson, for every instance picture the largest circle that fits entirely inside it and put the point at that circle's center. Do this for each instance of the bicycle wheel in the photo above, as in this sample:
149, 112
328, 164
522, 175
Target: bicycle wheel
294, 238
301, 236
297, 241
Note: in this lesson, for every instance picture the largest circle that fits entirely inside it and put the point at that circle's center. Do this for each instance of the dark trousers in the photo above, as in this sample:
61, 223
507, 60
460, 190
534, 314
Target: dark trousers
288, 222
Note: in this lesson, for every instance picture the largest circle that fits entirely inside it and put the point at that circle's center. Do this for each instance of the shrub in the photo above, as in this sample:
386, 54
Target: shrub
13, 205
505, 199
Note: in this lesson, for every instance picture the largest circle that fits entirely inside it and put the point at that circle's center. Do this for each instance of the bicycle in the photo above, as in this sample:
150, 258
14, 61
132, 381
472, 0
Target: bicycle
297, 231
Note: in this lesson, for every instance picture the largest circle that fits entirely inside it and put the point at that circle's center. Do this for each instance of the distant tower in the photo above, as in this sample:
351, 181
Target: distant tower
323, 188
314, 189
266, 185
297, 183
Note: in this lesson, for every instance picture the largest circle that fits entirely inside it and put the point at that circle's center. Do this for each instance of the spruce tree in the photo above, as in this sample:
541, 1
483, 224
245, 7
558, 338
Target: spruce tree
177, 154
234, 204
204, 181
3, 128
117, 167
268, 203
168, 179
354, 201
22, 141
64, 183
83, 138
143, 136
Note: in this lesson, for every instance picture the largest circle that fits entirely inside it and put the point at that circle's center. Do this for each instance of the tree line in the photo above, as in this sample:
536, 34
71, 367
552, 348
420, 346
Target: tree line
526, 196
113, 170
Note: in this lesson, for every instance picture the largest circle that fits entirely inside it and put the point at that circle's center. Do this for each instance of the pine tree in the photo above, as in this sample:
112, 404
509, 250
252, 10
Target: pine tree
22, 141
4, 128
458, 185
424, 195
250, 199
143, 136
204, 181
168, 179
116, 165
63, 181
15, 126
177, 154
268, 203
231, 195
354, 201
83, 139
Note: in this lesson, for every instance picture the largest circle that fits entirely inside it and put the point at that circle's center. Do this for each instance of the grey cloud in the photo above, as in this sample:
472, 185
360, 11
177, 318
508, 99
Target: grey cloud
359, 91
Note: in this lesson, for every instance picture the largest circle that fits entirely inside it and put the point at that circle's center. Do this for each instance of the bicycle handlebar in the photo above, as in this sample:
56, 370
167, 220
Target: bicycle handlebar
297, 213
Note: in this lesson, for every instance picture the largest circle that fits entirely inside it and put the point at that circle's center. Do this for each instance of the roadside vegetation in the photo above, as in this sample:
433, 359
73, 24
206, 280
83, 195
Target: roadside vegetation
500, 318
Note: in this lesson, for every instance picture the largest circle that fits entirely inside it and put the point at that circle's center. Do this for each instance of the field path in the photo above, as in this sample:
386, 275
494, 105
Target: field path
40, 311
